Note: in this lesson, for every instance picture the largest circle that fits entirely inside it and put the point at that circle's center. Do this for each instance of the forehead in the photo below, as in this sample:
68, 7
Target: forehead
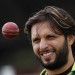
42, 28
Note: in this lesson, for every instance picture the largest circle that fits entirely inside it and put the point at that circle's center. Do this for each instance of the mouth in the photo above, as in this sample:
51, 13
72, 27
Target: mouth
46, 53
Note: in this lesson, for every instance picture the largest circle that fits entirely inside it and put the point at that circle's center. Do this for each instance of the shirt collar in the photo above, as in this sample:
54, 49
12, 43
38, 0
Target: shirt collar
44, 71
73, 68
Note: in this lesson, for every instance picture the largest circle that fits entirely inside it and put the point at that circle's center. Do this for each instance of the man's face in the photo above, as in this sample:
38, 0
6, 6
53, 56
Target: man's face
49, 47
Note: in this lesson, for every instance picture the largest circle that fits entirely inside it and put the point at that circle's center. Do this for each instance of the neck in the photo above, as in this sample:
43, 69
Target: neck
64, 68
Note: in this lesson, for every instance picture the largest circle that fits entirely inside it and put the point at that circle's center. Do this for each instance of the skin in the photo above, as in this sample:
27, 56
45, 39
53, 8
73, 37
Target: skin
46, 43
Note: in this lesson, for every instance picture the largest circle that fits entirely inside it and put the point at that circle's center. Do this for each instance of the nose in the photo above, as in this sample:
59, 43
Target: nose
43, 44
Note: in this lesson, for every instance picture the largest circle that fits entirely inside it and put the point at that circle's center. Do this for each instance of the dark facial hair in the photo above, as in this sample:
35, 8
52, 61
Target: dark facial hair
60, 60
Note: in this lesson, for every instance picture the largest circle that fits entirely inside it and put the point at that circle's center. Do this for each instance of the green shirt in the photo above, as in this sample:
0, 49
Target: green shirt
71, 73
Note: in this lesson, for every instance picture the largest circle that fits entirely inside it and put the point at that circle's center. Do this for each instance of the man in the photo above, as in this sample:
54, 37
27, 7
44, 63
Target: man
52, 33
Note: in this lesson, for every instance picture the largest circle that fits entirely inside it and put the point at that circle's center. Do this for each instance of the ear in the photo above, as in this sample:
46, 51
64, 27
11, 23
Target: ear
70, 39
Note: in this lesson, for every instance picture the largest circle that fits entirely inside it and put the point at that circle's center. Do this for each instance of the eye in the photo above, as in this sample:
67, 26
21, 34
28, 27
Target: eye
50, 37
36, 40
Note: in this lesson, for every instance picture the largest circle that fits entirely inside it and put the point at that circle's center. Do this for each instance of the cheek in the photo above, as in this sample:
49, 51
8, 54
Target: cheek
58, 44
36, 49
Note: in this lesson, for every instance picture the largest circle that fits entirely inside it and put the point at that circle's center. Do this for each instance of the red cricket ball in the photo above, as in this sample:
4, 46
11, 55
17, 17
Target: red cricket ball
10, 30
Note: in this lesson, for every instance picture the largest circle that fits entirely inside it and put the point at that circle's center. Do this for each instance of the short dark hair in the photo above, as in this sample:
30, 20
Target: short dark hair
62, 20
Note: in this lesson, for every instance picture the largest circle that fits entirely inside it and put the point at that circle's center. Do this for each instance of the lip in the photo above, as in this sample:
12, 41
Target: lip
47, 52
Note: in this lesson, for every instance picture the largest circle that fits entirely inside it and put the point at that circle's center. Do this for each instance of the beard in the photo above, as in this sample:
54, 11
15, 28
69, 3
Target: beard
60, 60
